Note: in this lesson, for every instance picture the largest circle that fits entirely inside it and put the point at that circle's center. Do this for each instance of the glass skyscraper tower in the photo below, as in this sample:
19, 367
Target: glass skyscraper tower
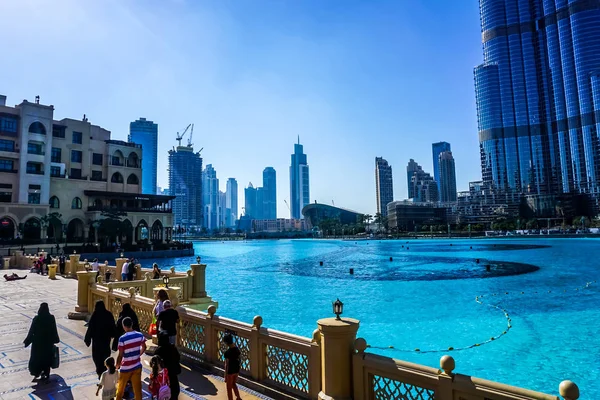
437, 149
299, 182
538, 96
384, 185
270, 193
145, 132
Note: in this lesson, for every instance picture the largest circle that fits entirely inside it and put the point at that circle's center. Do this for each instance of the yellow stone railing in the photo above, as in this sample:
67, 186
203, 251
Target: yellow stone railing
331, 364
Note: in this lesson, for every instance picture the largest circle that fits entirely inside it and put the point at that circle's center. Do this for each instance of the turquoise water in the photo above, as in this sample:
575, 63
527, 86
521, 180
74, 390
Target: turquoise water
425, 298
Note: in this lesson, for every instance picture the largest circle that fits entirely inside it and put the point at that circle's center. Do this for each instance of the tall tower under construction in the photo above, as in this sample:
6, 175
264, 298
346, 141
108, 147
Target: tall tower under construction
185, 182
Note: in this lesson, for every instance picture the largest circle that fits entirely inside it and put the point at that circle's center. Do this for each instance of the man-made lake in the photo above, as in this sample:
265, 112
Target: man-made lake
426, 298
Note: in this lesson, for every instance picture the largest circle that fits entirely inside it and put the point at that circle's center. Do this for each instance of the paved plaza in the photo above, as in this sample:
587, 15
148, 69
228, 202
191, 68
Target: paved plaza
76, 378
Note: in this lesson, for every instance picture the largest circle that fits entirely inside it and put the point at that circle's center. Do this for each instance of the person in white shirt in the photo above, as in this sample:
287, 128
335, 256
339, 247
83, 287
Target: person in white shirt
124, 271
96, 267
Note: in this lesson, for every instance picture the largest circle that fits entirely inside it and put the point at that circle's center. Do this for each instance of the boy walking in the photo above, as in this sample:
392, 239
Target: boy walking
131, 347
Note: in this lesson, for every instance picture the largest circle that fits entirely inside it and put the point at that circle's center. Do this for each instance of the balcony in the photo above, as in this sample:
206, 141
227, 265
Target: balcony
35, 172
96, 179
10, 171
130, 209
133, 164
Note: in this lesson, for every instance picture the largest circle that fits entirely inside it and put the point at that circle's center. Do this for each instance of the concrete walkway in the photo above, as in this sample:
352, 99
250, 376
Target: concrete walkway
76, 378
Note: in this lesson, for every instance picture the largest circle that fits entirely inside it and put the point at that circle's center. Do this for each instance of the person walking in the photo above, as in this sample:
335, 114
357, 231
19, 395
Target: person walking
171, 358
167, 321
62, 262
100, 331
131, 270
126, 312
131, 347
160, 387
232, 367
108, 380
42, 336
124, 270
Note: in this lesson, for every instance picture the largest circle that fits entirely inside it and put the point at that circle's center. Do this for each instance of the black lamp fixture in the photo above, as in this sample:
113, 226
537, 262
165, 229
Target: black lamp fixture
198, 259
338, 309
166, 281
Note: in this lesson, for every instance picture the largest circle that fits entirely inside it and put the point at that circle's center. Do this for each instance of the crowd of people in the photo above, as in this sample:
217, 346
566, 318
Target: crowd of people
123, 376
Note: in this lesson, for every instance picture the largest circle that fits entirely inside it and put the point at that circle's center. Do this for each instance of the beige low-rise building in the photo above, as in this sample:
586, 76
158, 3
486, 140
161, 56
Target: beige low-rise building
59, 181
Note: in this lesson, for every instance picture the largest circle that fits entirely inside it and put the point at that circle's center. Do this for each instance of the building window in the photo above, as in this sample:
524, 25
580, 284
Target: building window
75, 173
33, 198
55, 171
76, 156
35, 168
8, 125
35, 187
58, 131
117, 178
96, 175
116, 160
6, 165
35, 148
37, 127
76, 204
97, 158
54, 202
56, 155
133, 180
7, 145
77, 137
5, 197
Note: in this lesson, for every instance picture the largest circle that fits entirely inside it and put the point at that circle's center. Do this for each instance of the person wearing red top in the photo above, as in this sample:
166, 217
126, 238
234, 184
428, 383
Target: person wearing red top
158, 378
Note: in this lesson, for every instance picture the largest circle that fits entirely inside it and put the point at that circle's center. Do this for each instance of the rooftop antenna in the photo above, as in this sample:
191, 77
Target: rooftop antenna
37, 99
298, 139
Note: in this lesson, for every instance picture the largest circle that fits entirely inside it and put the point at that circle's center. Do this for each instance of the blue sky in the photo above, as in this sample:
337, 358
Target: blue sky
355, 79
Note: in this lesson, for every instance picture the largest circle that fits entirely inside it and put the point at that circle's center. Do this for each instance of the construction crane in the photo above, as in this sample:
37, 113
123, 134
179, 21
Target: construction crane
190, 138
332, 203
288, 206
180, 137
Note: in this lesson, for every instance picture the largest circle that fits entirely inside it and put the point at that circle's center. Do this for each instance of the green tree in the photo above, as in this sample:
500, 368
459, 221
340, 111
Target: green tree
111, 226
53, 219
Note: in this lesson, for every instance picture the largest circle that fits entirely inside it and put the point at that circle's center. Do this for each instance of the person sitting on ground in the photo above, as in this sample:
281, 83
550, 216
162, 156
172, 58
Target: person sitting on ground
13, 277
167, 321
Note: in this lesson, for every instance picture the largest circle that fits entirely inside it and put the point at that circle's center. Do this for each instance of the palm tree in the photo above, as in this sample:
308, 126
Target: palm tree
368, 218
378, 220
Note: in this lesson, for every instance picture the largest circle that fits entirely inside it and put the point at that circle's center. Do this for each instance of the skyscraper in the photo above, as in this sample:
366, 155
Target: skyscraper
422, 188
270, 193
210, 196
299, 182
145, 132
231, 202
250, 202
384, 185
185, 182
538, 96
437, 149
447, 183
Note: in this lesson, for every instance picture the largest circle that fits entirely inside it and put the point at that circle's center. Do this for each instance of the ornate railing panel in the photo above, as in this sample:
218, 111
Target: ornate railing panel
192, 337
287, 368
386, 388
241, 342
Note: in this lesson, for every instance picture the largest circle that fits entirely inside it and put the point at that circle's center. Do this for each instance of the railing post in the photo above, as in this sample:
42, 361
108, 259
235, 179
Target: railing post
337, 347
256, 359
568, 390
138, 272
84, 280
73, 265
210, 343
358, 382
199, 280
314, 366
148, 287
444, 390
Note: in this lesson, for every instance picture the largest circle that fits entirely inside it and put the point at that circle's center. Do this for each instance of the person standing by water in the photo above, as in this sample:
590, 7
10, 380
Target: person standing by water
96, 268
42, 335
155, 271
131, 347
62, 262
131, 270
101, 329
159, 306
167, 321
170, 356
232, 367
124, 270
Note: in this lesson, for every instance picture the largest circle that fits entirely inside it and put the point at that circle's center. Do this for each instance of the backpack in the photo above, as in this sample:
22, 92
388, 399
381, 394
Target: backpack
164, 392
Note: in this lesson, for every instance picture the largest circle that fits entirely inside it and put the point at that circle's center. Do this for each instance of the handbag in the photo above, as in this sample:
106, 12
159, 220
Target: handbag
55, 358
152, 330
164, 392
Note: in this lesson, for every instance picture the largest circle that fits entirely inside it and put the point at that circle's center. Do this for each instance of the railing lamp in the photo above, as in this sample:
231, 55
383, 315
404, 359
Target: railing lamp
74, 251
338, 309
198, 259
166, 281
122, 254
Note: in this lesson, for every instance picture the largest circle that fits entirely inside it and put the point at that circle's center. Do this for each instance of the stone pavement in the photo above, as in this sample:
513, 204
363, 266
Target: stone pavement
76, 377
